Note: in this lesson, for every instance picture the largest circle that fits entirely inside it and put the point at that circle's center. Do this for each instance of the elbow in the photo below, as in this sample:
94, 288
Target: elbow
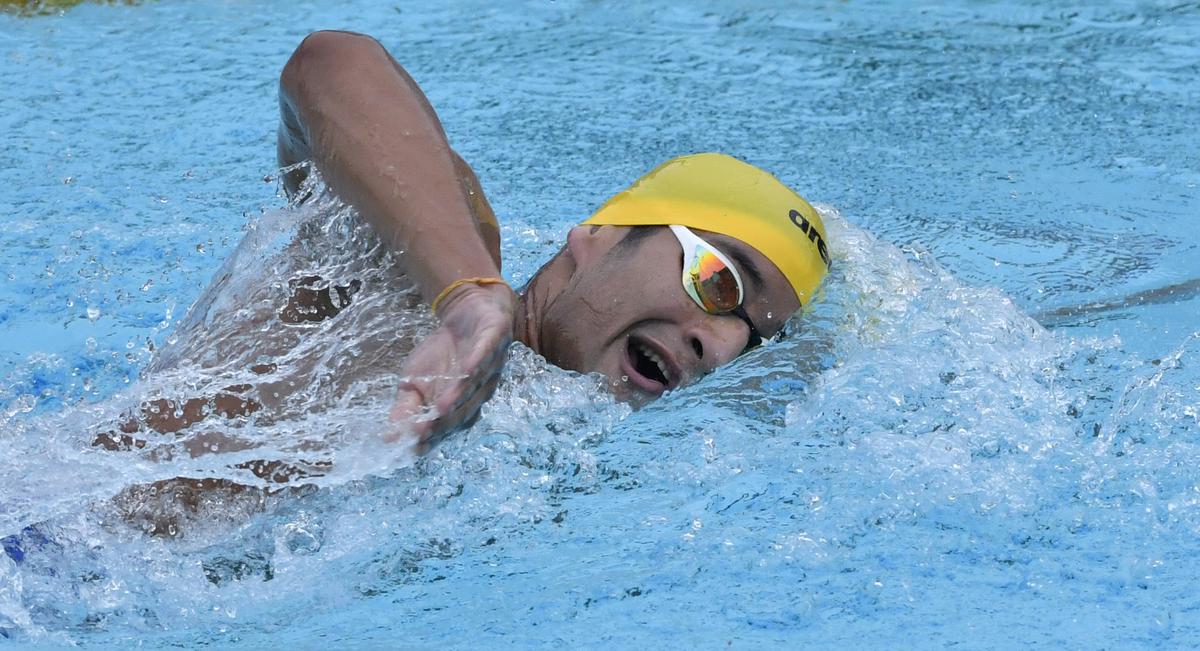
321, 53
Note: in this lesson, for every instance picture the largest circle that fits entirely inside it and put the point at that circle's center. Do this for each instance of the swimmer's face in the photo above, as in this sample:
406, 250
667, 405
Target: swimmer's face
625, 314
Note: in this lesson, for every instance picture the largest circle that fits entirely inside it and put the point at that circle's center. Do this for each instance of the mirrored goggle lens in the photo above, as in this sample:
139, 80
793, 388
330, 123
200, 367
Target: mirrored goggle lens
713, 282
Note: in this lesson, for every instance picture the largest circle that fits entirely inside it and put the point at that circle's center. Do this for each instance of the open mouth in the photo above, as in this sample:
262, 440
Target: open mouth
649, 364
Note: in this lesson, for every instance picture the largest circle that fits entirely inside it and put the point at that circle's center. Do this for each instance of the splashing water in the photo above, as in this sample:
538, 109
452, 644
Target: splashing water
905, 411
917, 463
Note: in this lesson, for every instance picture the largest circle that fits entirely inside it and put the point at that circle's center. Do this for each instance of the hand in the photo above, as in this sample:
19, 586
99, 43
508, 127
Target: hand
453, 371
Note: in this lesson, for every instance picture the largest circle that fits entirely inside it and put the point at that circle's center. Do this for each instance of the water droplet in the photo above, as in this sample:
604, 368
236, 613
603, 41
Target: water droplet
624, 378
93, 313
200, 248
147, 285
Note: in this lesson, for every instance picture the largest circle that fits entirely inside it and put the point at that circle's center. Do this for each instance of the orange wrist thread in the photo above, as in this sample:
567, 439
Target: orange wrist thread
481, 280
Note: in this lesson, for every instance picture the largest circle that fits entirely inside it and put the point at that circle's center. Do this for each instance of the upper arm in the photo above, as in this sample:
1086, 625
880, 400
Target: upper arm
350, 108
293, 142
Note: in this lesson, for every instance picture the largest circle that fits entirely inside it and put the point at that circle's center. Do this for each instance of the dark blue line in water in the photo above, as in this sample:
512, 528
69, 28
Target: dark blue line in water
1074, 314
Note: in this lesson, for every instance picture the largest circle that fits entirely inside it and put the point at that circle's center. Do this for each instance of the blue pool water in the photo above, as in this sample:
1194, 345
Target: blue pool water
985, 436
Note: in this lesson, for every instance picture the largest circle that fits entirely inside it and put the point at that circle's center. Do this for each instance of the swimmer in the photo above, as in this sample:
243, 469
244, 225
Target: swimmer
697, 262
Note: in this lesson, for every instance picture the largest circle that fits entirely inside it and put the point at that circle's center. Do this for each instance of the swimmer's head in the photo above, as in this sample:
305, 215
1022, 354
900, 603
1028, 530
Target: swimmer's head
654, 306
721, 194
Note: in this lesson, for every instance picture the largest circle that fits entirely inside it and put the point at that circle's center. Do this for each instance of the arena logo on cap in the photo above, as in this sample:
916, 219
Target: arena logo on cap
813, 236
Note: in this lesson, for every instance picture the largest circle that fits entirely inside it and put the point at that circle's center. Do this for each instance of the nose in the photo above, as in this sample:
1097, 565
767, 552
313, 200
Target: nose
715, 340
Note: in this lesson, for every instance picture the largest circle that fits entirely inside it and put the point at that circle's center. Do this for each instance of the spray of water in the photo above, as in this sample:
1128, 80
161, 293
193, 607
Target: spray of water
902, 406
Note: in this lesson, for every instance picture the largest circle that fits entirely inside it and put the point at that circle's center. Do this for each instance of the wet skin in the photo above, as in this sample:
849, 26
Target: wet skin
352, 110
602, 304
592, 322
624, 303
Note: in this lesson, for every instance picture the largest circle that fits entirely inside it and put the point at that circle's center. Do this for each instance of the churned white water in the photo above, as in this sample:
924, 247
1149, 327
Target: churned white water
983, 435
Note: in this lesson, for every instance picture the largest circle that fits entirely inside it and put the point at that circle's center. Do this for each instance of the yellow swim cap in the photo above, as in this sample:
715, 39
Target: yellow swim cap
721, 194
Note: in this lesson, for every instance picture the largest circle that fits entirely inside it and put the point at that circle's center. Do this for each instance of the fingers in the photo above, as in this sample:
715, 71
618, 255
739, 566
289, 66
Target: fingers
427, 408
448, 378
465, 414
456, 404
406, 416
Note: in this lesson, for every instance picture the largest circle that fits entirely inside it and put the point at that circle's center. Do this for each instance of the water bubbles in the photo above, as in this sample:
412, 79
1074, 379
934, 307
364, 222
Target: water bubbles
23, 404
304, 536
989, 448
93, 313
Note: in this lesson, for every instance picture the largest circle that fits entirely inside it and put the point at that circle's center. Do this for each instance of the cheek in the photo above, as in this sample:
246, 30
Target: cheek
561, 343
576, 328
772, 314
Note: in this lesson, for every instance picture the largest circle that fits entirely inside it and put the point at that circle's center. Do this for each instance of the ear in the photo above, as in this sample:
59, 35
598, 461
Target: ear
588, 242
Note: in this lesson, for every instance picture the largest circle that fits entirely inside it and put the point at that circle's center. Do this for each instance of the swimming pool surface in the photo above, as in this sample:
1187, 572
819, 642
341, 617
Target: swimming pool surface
986, 435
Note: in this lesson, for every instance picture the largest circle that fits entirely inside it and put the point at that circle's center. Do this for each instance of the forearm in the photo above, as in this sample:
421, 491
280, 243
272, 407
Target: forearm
368, 128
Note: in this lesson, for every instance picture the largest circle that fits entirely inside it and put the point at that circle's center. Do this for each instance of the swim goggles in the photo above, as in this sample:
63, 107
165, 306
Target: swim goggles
711, 280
